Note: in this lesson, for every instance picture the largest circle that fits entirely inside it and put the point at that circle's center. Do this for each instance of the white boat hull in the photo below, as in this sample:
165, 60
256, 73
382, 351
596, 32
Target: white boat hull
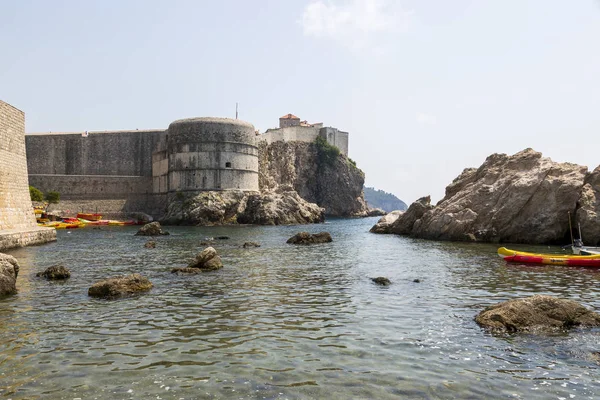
585, 250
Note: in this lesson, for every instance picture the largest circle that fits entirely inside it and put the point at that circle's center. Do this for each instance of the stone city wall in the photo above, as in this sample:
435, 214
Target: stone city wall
307, 134
291, 134
73, 187
210, 154
29, 237
18, 226
15, 203
336, 138
119, 153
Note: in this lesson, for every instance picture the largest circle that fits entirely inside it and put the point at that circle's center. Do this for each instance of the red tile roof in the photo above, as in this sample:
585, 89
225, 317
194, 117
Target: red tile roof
289, 116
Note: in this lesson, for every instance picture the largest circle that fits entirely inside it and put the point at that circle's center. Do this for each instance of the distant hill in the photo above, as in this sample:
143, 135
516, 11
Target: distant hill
379, 199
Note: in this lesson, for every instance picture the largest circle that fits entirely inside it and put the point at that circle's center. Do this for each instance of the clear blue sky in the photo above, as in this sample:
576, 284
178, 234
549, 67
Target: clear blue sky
425, 88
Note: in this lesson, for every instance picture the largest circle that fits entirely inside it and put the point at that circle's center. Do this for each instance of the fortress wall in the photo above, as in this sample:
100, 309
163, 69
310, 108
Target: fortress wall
160, 165
16, 210
121, 153
110, 195
212, 166
336, 138
80, 187
209, 154
215, 179
18, 226
290, 134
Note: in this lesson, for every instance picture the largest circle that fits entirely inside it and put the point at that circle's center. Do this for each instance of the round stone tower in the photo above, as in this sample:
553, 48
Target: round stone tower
212, 154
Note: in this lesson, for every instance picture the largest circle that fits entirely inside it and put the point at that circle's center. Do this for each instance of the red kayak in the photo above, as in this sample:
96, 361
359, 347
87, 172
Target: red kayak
549, 259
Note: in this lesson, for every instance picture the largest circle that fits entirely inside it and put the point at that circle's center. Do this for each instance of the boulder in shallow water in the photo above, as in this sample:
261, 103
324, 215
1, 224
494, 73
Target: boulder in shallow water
151, 244
207, 260
55, 272
120, 286
403, 225
536, 314
385, 222
307, 238
9, 269
186, 270
251, 244
381, 280
375, 212
151, 229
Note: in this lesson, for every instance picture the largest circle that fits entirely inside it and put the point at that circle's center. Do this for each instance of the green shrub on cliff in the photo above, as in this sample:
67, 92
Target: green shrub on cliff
326, 152
36, 194
52, 197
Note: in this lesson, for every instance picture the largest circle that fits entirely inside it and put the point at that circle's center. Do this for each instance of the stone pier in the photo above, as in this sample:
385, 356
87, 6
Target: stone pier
18, 226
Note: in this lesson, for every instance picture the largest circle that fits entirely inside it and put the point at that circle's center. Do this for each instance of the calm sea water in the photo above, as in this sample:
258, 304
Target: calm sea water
283, 321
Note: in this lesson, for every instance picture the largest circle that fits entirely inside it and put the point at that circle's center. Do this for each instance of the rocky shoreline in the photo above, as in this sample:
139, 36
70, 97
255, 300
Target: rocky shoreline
523, 198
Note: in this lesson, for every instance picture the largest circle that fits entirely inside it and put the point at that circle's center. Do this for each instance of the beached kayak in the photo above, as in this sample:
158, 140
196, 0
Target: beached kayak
90, 216
549, 259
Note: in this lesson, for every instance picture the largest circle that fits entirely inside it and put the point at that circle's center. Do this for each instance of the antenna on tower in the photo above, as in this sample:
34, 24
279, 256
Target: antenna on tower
236, 110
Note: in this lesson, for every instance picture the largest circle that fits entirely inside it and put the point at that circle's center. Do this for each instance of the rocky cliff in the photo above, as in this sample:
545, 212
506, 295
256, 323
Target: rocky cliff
317, 172
523, 198
588, 209
282, 206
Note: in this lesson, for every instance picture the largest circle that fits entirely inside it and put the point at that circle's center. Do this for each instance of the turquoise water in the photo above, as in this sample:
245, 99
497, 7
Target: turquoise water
283, 321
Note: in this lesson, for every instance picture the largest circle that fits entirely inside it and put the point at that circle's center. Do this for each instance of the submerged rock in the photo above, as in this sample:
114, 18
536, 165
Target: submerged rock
186, 270
385, 222
55, 272
307, 238
120, 286
536, 314
250, 244
9, 269
151, 229
151, 244
380, 280
207, 260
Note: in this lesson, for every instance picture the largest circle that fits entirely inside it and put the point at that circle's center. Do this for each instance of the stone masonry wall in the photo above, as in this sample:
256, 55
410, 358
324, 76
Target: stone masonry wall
89, 187
336, 138
18, 226
15, 203
119, 153
306, 134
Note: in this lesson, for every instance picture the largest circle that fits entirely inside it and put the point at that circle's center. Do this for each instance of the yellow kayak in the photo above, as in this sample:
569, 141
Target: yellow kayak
549, 259
504, 252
